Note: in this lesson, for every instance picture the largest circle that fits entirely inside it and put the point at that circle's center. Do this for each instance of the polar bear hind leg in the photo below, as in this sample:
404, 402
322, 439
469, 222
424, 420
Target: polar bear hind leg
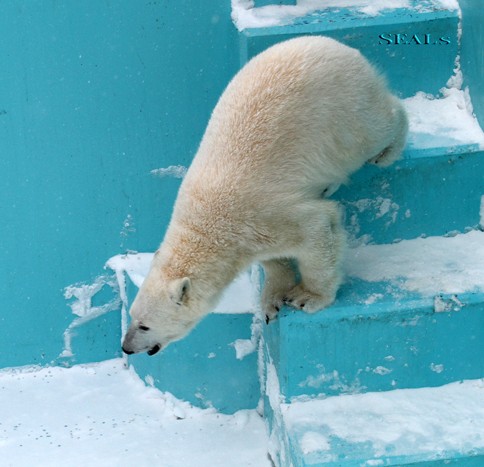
397, 138
319, 259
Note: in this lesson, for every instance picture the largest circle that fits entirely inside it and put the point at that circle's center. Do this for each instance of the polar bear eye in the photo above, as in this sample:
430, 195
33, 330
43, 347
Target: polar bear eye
143, 327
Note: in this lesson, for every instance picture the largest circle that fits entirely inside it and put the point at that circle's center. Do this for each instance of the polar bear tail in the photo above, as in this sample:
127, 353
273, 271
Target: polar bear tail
400, 130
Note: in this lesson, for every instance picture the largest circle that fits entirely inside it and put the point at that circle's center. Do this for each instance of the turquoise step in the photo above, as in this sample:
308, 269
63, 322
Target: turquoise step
414, 197
411, 314
360, 384
428, 426
216, 364
424, 33
443, 158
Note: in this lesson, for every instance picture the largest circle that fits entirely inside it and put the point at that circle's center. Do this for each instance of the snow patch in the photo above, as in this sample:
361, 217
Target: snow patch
273, 393
103, 415
442, 121
81, 306
333, 380
313, 441
417, 422
239, 297
373, 298
429, 266
380, 206
244, 347
135, 265
382, 371
128, 228
246, 16
437, 368
445, 304
176, 171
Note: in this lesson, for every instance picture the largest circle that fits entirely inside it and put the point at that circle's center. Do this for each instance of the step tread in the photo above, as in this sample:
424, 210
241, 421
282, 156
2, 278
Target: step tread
389, 428
422, 268
429, 271
433, 272
447, 265
442, 125
410, 315
309, 16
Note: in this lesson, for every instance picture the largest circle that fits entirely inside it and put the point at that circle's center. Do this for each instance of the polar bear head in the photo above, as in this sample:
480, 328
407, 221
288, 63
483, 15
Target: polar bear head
162, 312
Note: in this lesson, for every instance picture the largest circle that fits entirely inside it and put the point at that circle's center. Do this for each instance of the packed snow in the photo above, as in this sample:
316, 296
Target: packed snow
404, 422
449, 265
246, 15
442, 121
103, 415
176, 171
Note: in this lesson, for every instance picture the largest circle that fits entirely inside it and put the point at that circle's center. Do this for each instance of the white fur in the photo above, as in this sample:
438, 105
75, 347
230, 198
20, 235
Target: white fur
293, 124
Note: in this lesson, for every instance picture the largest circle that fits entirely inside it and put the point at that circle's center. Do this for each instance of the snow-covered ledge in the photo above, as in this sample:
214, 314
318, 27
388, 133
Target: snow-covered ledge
249, 14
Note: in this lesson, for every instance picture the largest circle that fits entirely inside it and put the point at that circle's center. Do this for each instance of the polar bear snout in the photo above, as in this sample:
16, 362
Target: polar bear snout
138, 340
126, 351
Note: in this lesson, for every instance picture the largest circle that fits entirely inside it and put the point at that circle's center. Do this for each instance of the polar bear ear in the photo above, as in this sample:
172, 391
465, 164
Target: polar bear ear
179, 289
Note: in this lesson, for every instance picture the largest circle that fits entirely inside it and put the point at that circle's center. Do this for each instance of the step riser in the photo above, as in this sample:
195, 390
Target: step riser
373, 40
384, 350
300, 460
260, 3
421, 196
286, 442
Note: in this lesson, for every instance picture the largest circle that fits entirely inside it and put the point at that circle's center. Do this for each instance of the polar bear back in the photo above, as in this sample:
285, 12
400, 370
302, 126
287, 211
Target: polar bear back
300, 116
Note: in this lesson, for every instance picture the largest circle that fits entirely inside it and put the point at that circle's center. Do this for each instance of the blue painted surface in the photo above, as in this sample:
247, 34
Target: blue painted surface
93, 96
415, 188
202, 368
397, 342
355, 454
401, 62
259, 3
472, 58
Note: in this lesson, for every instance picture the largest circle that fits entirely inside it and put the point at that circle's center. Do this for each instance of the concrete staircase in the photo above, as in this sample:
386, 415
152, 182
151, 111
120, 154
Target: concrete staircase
346, 387
375, 379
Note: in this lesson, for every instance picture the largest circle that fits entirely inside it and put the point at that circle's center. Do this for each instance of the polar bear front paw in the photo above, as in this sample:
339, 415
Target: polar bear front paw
271, 306
310, 302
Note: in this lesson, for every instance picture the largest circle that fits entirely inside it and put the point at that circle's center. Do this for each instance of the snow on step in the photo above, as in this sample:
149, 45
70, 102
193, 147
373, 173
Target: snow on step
449, 265
240, 296
422, 424
246, 16
446, 121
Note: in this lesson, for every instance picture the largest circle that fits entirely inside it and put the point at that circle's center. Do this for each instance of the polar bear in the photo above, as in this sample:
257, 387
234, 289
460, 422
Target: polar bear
290, 127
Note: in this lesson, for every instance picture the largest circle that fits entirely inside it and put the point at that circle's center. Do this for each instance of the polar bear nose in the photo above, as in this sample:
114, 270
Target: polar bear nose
126, 351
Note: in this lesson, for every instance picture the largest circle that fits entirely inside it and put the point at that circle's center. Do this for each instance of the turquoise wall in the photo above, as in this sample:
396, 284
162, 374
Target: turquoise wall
93, 96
